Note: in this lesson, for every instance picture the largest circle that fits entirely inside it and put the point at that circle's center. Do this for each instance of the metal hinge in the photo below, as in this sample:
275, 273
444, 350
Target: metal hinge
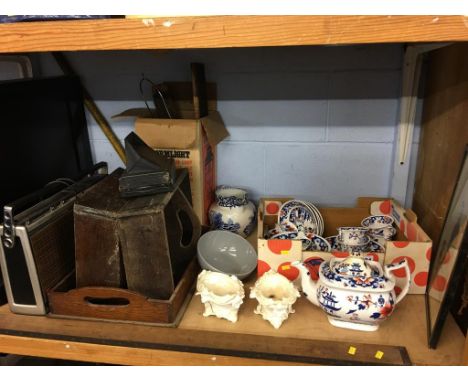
8, 237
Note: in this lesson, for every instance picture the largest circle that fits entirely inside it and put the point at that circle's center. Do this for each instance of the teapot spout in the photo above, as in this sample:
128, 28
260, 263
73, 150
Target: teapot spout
308, 286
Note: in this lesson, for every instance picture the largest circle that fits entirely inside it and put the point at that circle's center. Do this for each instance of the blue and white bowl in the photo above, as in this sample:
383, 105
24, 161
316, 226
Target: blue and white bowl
377, 221
379, 226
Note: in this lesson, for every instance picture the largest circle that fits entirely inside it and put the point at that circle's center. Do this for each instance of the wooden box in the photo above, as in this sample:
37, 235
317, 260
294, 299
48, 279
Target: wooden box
104, 303
143, 244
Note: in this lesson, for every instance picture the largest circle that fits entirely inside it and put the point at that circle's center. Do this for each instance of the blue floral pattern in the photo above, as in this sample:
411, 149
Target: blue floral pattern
231, 201
218, 223
250, 227
374, 282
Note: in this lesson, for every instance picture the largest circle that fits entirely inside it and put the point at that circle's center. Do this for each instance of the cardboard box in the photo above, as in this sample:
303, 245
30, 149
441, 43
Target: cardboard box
410, 241
191, 142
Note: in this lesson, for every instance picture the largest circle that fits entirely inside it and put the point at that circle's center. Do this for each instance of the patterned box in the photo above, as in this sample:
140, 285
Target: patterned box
410, 242
278, 255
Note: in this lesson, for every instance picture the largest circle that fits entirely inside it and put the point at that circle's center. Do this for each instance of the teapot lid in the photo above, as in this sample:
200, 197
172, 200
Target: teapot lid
355, 272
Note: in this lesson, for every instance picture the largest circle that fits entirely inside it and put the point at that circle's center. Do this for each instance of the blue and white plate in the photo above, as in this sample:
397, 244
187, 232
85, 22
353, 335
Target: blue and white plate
284, 210
285, 236
301, 216
318, 218
301, 213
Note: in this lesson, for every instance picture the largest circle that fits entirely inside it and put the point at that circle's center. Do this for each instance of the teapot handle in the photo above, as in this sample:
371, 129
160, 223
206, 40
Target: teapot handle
391, 267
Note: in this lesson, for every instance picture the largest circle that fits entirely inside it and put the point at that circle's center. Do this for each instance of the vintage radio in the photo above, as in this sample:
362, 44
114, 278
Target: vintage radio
37, 242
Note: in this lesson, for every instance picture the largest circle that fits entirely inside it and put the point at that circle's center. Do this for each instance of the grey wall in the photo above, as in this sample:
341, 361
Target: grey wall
317, 123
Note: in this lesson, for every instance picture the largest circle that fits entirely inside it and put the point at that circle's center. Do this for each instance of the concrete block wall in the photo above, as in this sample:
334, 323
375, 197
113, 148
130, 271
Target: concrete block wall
318, 123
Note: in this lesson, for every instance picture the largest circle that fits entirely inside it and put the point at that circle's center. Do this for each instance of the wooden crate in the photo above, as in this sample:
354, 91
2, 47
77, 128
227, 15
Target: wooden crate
142, 244
116, 304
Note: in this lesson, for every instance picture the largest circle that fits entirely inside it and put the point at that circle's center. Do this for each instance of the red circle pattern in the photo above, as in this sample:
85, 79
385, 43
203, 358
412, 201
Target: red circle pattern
440, 283
340, 254
385, 207
276, 246
374, 256
262, 267
397, 290
429, 253
421, 279
411, 234
401, 244
292, 273
272, 208
402, 272
402, 226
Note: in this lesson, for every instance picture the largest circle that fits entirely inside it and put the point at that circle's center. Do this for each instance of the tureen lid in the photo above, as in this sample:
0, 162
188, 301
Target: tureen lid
355, 272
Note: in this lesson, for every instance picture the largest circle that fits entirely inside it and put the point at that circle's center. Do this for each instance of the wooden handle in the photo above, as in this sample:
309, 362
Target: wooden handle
103, 302
184, 206
104, 297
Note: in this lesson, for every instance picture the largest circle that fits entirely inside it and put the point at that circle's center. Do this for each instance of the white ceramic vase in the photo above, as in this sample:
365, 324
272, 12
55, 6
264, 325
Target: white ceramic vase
275, 295
232, 211
221, 294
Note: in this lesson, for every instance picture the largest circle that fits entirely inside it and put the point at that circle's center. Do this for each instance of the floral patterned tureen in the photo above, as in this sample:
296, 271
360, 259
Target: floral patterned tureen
354, 292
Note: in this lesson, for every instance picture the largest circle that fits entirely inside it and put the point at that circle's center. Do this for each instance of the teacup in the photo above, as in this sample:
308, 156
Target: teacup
353, 236
379, 226
355, 248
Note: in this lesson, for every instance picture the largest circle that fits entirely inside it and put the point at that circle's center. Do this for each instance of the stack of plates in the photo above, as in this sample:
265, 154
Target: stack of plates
301, 214
300, 220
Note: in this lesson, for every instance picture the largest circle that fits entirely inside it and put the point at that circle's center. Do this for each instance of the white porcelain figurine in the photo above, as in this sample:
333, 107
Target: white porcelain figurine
221, 294
275, 295
354, 292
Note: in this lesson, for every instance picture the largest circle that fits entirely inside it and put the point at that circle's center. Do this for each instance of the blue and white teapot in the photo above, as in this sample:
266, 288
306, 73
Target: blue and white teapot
354, 292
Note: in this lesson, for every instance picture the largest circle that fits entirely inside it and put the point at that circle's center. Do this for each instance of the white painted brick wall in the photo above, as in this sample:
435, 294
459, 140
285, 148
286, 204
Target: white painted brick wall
312, 122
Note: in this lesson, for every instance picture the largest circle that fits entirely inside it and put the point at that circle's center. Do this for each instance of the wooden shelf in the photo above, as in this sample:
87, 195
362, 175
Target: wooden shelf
227, 31
305, 338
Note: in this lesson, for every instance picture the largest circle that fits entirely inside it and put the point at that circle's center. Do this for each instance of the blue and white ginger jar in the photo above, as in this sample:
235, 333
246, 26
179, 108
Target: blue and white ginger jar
233, 211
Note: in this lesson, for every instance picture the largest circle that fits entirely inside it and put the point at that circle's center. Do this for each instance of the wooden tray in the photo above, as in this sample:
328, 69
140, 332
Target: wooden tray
115, 304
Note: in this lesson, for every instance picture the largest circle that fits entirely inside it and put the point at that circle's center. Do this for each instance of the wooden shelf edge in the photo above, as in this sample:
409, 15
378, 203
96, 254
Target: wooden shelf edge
97, 353
227, 31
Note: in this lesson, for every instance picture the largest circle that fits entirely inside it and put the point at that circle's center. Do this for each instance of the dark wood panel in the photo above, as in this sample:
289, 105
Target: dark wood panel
444, 136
